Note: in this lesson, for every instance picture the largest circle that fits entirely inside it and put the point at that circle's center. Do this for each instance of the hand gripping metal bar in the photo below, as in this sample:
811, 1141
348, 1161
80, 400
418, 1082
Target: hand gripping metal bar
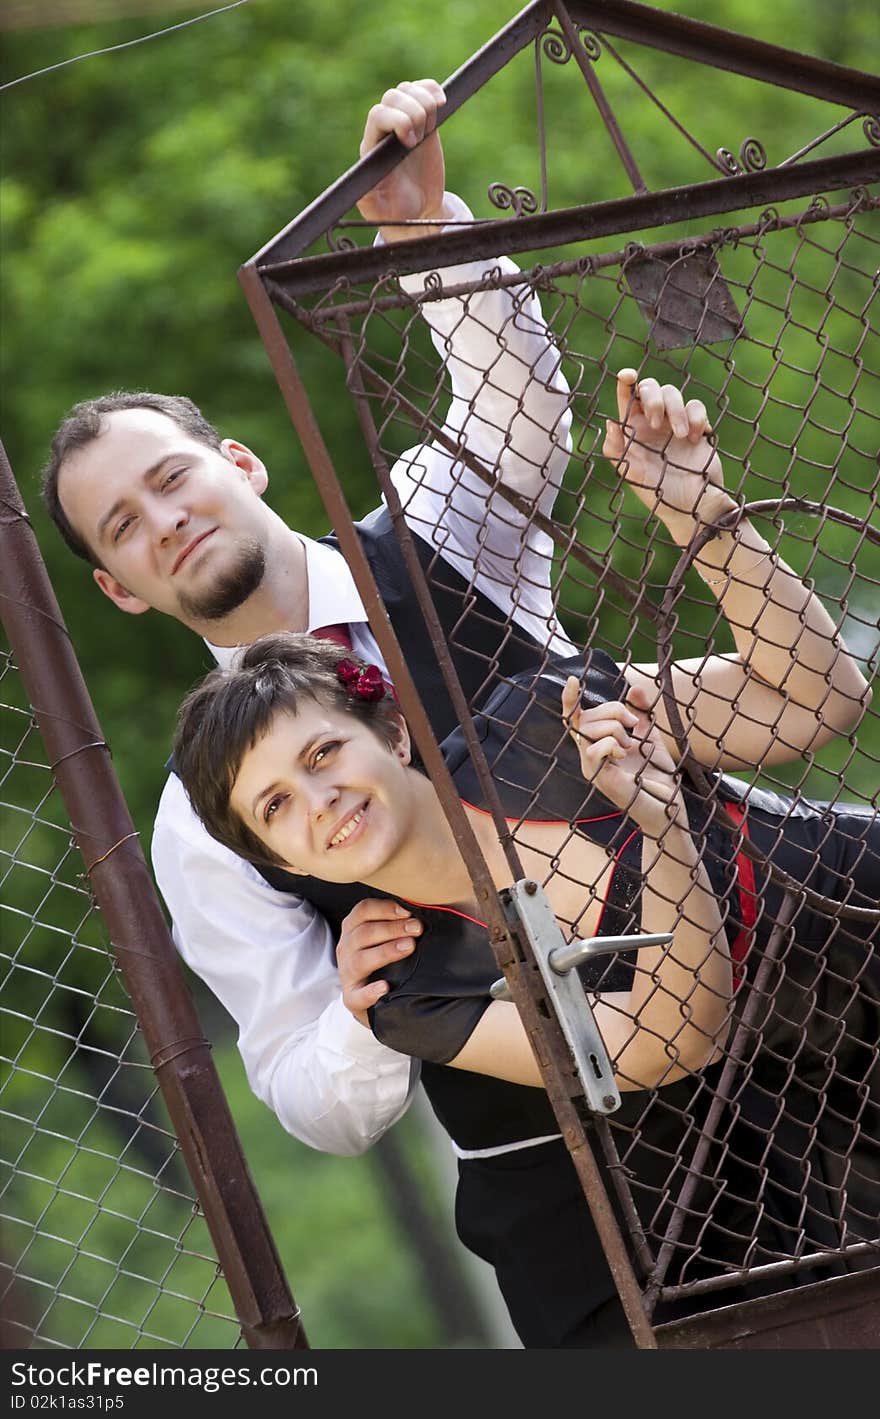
526, 907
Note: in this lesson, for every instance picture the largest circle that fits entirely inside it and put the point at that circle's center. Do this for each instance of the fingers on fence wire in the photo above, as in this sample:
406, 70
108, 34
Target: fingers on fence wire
787, 1117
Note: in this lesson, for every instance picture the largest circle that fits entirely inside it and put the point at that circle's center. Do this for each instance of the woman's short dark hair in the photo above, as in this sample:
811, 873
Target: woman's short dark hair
225, 715
85, 423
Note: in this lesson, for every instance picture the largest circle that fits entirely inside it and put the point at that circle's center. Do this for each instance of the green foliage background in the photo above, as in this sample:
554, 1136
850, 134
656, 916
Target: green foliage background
133, 186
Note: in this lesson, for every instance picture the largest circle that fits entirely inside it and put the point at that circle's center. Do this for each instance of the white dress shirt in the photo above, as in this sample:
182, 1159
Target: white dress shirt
267, 955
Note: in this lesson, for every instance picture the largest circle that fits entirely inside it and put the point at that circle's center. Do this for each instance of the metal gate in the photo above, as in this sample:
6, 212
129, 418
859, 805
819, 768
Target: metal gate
750, 290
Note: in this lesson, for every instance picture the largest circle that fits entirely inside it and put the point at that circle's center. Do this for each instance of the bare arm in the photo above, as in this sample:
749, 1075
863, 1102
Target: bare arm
674, 1018
791, 685
414, 190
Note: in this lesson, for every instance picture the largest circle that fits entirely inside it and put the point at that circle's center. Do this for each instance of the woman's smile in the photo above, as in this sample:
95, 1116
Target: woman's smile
352, 827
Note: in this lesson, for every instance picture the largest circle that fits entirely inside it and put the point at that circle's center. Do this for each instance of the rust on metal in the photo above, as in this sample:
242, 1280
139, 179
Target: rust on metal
842, 1313
582, 59
684, 299
675, 34
665, 251
509, 236
151, 968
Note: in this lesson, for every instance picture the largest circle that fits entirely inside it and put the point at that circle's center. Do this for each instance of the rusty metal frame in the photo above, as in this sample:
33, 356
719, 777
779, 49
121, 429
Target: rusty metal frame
513, 954
690, 39
279, 275
625, 214
120, 880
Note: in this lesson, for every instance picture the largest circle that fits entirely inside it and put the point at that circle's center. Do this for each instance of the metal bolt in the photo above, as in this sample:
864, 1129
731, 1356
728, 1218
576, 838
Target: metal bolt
609, 1101
530, 888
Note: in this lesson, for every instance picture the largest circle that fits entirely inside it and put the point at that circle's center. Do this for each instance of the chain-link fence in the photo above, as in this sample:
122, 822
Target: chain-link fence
751, 1174
756, 1173
104, 1245
115, 1211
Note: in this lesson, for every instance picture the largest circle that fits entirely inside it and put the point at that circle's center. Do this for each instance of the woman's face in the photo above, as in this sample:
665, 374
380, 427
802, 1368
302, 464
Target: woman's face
325, 793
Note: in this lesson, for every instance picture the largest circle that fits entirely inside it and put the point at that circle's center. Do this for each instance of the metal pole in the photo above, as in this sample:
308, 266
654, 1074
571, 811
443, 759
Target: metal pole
123, 889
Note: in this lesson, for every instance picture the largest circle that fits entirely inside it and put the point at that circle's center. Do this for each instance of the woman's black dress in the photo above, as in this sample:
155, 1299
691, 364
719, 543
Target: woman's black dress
795, 1165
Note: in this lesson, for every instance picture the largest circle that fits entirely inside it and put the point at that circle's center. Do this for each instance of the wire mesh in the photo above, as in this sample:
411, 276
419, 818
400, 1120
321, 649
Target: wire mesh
103, 1244
759, 1169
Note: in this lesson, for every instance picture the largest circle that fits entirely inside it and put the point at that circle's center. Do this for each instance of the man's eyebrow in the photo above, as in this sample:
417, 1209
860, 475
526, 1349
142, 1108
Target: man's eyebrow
271, 788
119, 504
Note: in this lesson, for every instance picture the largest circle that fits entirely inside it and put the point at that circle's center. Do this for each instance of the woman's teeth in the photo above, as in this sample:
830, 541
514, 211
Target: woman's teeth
347, 830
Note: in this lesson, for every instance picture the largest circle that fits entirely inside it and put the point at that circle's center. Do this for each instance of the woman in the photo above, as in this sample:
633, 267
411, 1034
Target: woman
353, 809
300, 756
796, 1156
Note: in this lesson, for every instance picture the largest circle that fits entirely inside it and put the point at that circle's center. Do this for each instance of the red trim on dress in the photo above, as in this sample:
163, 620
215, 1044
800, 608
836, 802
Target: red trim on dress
745, 882
748, 898
432, 906
539, 823
542, 822
617, 856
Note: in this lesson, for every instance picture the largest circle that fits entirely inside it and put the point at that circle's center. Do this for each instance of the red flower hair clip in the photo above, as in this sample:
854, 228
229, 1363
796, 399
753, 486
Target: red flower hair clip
364, 683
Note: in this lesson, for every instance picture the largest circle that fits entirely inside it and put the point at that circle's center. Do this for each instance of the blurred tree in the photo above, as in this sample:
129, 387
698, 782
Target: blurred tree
133, 186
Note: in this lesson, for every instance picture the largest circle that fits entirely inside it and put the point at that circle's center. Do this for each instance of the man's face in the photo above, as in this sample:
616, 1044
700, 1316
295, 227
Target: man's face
177, 525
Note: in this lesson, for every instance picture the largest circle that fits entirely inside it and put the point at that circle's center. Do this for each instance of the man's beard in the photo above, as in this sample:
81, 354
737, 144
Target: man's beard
231, 591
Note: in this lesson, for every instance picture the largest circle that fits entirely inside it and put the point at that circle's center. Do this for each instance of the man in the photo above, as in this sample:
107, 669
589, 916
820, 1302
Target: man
172, 518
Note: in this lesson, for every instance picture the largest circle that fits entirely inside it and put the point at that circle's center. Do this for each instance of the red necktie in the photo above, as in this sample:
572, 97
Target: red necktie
339, 634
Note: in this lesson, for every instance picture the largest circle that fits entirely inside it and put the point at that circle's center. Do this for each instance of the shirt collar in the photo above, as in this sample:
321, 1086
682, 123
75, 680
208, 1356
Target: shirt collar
333, 596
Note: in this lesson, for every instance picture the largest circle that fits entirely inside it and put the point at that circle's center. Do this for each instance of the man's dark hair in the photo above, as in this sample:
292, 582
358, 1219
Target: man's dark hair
231, 709
84, 423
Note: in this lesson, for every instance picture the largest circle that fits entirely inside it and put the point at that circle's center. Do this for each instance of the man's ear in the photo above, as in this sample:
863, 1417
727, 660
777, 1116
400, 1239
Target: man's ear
132, 605
244, 458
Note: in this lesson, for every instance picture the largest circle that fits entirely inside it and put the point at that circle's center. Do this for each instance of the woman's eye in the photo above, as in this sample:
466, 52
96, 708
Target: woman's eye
272, 807
173, 477
122, 527
324, 752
